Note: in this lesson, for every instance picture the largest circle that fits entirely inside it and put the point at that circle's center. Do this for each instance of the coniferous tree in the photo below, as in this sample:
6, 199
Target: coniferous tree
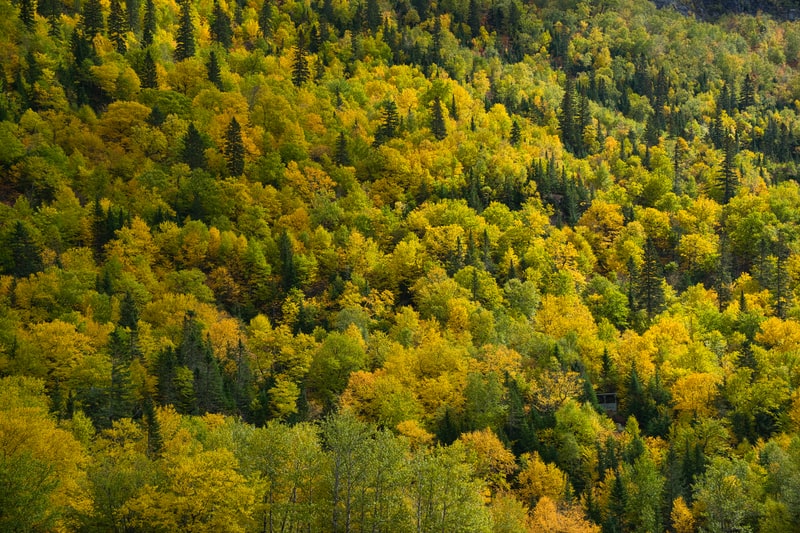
149, 76
27, 13
474, 18
341, 157
300, 69
516, 134
26, 255
388, 128
149, 26
155, 441
748, 96
234, 148
214, 72
221, 31
117, 27
288, 267
437, 120
265, 19
373, 15
650, 294
132, 11
185, 47
194, 147
566, 117
728, 180
92, 19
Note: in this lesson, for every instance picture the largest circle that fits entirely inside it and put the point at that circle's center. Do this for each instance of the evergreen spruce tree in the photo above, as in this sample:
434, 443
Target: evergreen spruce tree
194, 147
26, 255
650, 293
265, 19
341, 157
155, 441
27, 14
453, 108
474, 18
437, 120
388, 128
132, 11
748, 98
516, 134
117, 22
300, 68
92, 19
148, 76
234, 148
221, 31
288, 267
728, 180
214, 72
373, 15
185, 38
566, 118
149, 26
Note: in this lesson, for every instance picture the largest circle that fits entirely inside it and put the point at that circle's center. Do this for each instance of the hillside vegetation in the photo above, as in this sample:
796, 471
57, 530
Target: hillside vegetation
358, 266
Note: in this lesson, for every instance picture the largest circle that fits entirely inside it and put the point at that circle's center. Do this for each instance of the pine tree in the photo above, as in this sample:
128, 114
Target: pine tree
221, 26
129, 312
437, 120
373, 15
300, 69
516, 134
214, 72
265, 19
185, 38
27, 14
474, 18
149, 26
149, 76
566, 118
388, 128
728, 178
341, 157
453, 109
117, 27
288, 267
155, 441
132, 11
92, 18
234, 148
649, 290
194, 147
747, 98
26, 255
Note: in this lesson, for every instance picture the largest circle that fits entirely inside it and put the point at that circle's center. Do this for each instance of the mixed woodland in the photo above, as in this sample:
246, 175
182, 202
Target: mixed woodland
398, 266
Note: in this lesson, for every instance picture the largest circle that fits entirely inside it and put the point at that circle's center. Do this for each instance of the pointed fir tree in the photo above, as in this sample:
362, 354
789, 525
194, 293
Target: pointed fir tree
26, 254
27, 14
155, 441
214, 72
566, 117
341, 157
389, 124
437, 120
149, 76
132, 12
92, 18
117, 27
221, 31
185, 47
728, 179
194, 147
373, 15
650, 294
300, 68
288, 267
516, 134
149, 25
265, 19
234, 148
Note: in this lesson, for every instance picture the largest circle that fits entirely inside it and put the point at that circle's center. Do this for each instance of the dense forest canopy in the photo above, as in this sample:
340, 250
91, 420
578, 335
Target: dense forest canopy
398, 265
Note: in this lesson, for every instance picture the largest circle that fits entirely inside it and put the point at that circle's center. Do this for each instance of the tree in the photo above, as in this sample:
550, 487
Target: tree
265, 19
437, 120
373, 15
26, 254
185, 37
221, 26
300, 69
92, 18
214, 72
341, 157
288, 267
728, 179
27, 14
650, 293
149, 26
149, 76
234, 148
194, 147
117, 26
132, 10
567, 117
389, 123
516, 134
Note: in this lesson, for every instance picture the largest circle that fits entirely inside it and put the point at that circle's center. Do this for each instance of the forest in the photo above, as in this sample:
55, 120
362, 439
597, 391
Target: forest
399, 266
